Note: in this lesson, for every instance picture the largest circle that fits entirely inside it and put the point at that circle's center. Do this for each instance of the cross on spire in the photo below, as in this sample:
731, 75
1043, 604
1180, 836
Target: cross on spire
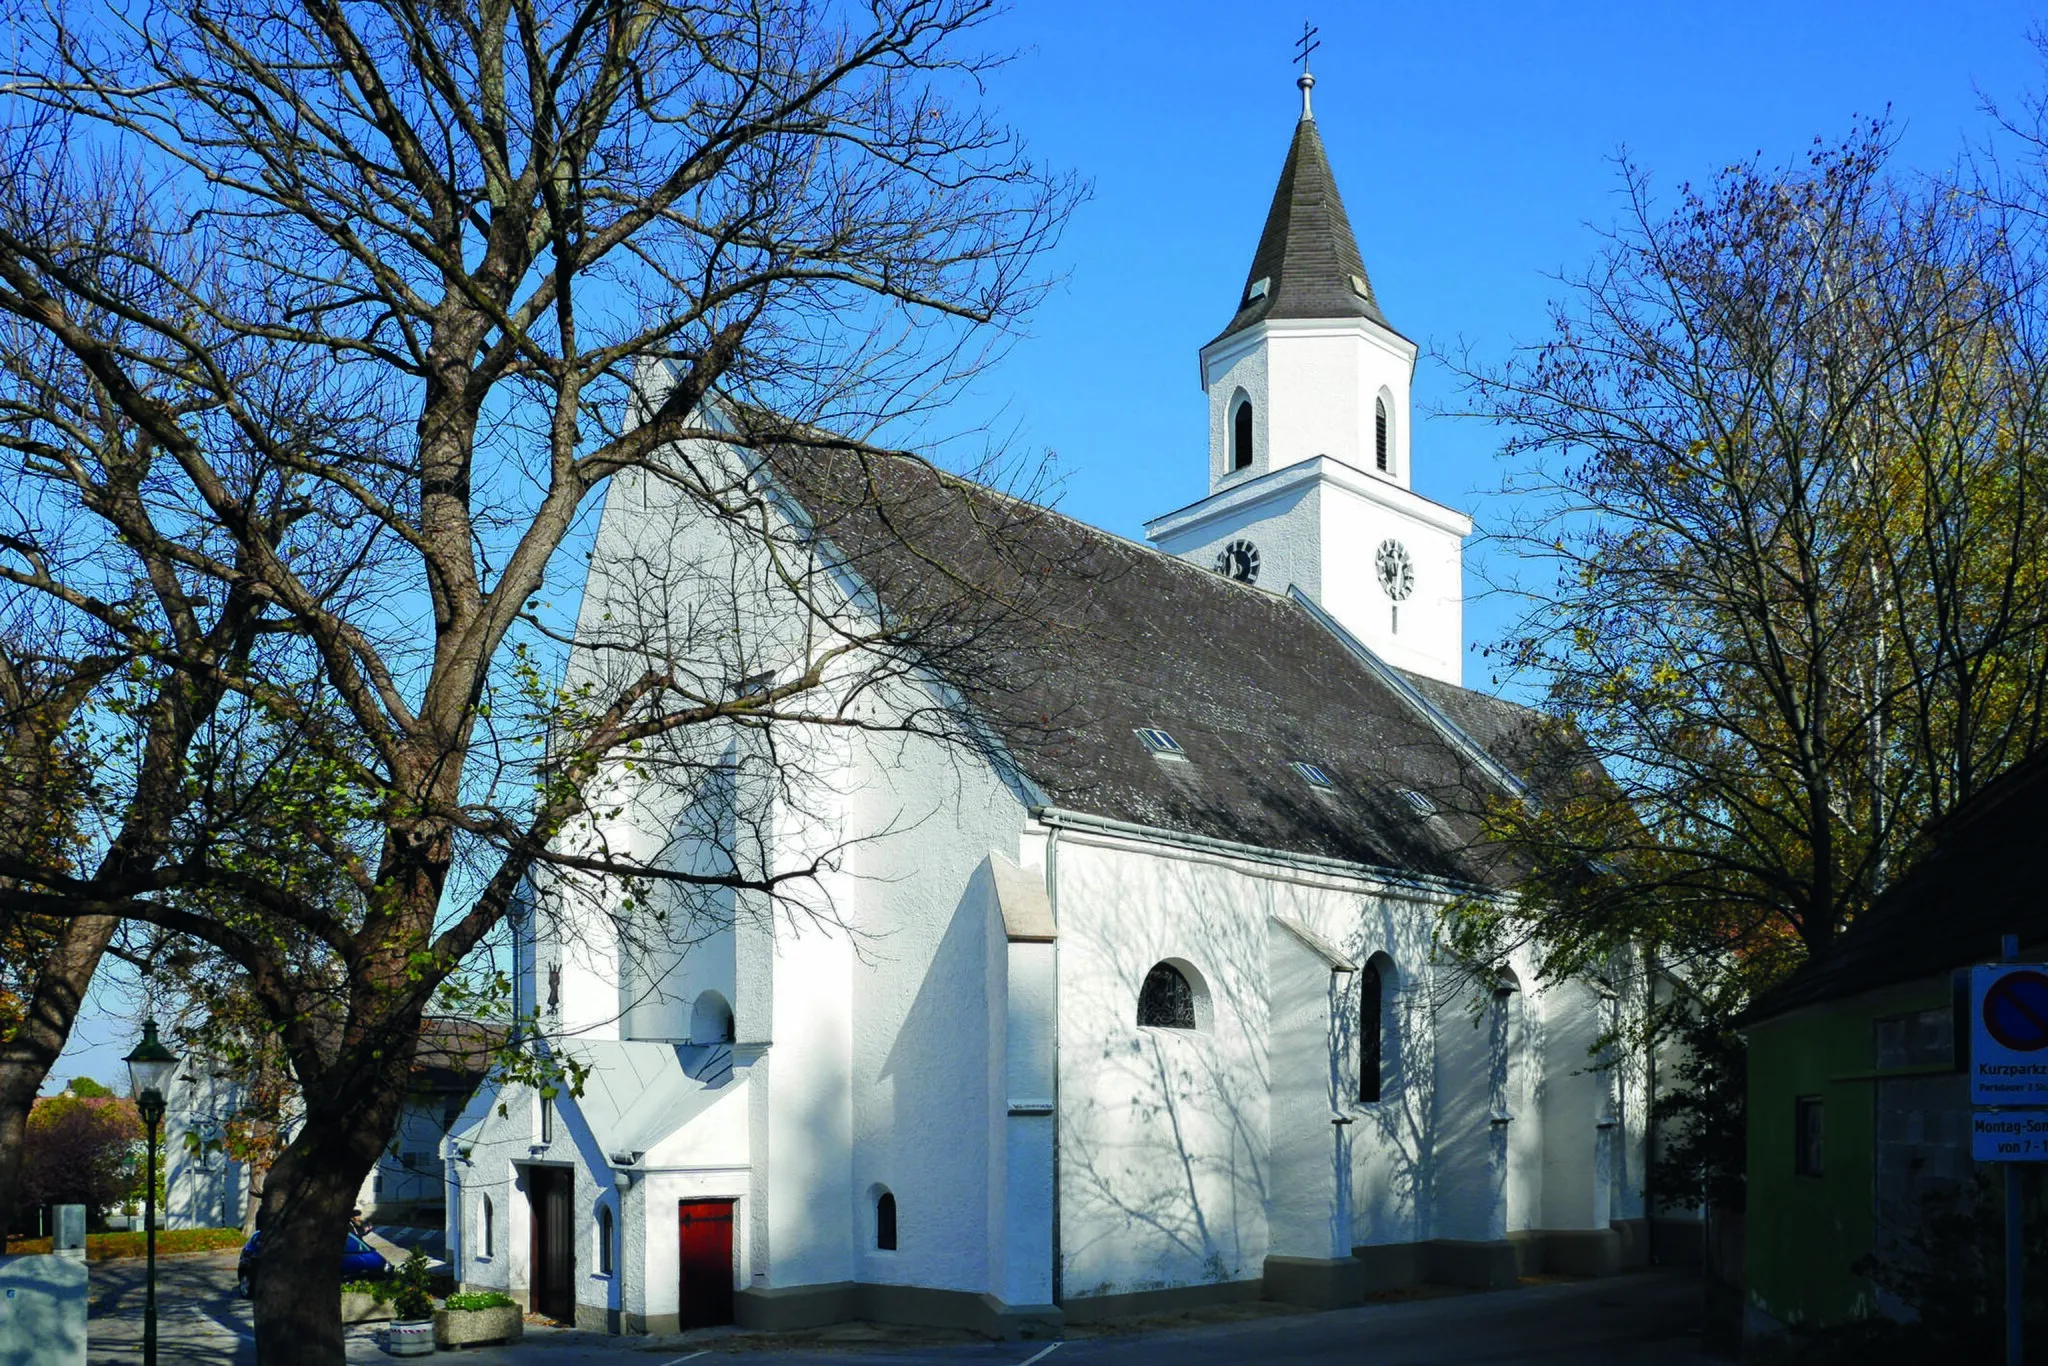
1307, 43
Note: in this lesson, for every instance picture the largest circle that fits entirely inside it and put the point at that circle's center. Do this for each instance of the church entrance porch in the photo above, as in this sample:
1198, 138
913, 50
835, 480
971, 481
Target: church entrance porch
704, 1261
551, 1193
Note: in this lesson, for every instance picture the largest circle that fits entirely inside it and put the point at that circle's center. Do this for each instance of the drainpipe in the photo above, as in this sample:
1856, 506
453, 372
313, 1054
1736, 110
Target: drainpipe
1650, 1120
1051, 898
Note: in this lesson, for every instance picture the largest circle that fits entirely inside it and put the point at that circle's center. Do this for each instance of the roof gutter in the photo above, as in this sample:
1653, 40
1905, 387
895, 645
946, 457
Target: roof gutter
1060, 818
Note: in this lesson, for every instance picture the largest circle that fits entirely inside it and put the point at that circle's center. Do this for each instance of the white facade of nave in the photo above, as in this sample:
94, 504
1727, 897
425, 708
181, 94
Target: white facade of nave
956, 1027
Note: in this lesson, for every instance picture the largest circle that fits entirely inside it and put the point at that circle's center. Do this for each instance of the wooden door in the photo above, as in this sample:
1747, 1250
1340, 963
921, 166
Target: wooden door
551, 1192
704, 1245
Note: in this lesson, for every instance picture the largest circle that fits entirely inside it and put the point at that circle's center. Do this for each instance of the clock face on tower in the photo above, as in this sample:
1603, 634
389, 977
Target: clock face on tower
1239, 560
1397, 571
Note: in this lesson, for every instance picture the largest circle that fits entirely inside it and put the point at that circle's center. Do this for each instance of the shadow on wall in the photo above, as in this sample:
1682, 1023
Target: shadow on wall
1389, 1154
1164, 1148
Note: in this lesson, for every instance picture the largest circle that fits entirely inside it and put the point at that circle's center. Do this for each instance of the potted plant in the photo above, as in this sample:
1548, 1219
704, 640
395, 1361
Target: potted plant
412, 1333
478, 1316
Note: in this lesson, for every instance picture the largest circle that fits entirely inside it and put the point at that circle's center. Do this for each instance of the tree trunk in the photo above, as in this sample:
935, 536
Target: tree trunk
310, 1190
26, 1059
308, 1195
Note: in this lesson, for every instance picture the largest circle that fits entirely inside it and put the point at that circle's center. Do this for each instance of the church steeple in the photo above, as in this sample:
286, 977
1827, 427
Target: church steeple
1309, 439
1307, 264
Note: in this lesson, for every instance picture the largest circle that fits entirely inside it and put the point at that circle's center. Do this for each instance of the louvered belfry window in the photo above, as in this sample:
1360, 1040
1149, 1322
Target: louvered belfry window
1379, 433
1241, 436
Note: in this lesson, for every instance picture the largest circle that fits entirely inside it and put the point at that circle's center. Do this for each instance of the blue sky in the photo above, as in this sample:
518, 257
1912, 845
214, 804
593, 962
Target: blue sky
1474, 145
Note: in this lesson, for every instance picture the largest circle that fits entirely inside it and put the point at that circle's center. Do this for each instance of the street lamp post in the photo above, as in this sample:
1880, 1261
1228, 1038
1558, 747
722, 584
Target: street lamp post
149, 1073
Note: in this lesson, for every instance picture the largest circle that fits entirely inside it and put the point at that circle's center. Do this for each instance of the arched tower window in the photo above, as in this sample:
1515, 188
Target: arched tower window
885, 1222
1241, 435
1381, 457
1166, 1000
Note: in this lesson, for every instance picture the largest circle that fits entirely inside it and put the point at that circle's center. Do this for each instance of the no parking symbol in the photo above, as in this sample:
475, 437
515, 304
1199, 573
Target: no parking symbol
2008, 1035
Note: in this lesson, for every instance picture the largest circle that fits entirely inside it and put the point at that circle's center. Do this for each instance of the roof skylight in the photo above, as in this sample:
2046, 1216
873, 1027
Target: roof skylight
1312, 774
1422, 804
1160, 743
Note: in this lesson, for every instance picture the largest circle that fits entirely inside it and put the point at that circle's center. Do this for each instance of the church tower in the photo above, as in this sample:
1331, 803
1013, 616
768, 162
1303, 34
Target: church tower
1309, 439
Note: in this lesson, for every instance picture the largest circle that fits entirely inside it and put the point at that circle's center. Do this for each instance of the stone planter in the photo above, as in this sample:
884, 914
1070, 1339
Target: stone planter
414, 1339
356, 1307
469, 1327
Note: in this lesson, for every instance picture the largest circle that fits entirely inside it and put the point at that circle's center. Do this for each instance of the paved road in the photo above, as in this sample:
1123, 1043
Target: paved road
1642, 1320
200, 1321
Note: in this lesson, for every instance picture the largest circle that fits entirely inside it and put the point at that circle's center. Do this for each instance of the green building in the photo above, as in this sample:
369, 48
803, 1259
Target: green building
1858, 1102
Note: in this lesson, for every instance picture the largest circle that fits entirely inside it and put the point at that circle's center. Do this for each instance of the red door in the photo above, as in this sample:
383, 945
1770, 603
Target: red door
704, 1242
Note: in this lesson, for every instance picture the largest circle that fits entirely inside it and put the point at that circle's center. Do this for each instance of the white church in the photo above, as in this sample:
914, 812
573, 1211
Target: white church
1133, 1006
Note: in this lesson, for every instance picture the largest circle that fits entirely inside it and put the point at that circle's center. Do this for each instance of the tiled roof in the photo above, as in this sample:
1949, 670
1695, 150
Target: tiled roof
1095, 638
1307, 256
1980, 880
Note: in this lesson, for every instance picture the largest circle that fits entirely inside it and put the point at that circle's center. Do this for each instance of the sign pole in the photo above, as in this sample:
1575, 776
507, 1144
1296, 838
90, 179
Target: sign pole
2015, 1234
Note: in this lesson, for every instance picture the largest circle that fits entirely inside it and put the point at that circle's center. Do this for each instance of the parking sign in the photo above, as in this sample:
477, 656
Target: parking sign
2009, 1035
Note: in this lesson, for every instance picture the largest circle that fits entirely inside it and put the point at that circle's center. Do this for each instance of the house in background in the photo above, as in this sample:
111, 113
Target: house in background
1141, 1016
1859, 1105
204, 1187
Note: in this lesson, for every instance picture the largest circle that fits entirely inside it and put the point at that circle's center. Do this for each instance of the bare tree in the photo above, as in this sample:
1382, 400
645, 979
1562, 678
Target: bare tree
1782, 510
373, 288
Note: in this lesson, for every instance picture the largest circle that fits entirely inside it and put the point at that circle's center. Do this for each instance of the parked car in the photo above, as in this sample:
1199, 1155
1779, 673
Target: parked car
359, 1262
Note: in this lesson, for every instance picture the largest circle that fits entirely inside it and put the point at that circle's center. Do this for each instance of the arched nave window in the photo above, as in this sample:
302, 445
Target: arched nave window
1241, 434
605, 1234
1509, 1045
885, 1222
1382, 458
1168, 999
1377, 986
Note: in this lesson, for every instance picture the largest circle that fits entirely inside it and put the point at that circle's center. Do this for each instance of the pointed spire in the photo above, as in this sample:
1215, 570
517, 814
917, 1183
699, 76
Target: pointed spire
1307, 264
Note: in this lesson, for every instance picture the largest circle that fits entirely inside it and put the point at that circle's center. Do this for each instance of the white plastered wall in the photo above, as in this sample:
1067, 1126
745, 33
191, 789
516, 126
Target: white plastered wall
1312, 383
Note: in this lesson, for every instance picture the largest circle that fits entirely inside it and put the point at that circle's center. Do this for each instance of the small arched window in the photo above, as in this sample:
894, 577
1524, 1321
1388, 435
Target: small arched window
486, 1231
885, 1222
1166, 1001
710, 1019
604, 1240
1381, 458
1241, 435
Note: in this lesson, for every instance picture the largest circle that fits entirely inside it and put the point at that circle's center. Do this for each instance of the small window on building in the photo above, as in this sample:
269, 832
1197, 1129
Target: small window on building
1166, 1001
604, 1240
486, 1232
547, 1119
1421, 803
885, 1222
1313, 774
1241, 435
1809, 1141
1381, 459
1161, 744
554, 988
